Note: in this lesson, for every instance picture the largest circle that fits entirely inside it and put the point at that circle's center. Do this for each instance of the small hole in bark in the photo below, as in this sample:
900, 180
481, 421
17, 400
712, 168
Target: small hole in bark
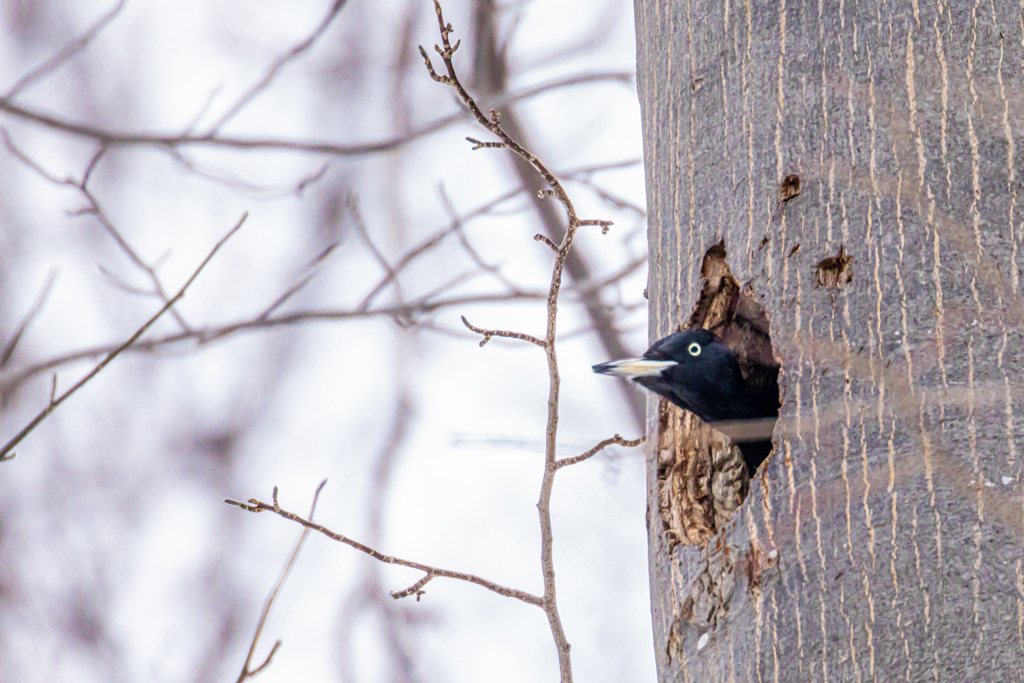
790, 188
834, 272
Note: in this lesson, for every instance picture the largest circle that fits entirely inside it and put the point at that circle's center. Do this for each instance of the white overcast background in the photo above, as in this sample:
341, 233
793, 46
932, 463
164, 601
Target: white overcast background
118, 559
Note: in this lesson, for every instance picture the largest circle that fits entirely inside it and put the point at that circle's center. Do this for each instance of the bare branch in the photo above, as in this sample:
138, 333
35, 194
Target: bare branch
202, 336
30, 162
490, 71
584, 179
255, 505
94, 209
600, 284
478, 144
630, 443
487, 334
266, 662
492, 123
116, 282
5, 452
605, 225
431, 242
311, 270
415, 589
456, 223
543, 238
246, 673
278, 64
409, 311
19, 332
229, 179
390, 275
97, 212
168, 141
585, 172
65, 53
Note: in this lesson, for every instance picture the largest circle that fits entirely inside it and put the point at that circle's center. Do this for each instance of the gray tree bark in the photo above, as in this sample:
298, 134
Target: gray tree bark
883, 538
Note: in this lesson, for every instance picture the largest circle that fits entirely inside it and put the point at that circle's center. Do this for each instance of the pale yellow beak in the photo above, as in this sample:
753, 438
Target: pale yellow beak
632, 368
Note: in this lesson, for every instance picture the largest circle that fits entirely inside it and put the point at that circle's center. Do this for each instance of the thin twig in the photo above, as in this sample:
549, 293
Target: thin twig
65, 53
214, 333
544, 238
94, 209
611, 198
19, 332
431, 242
415, 589
100, 215
255, 505
594, 221
493, 124
585, 172
246, 673
402, 312
278, 64
116, 282
390, 274
32, 163
167, 141
630, 443
487, 334
407, 320
456, 223
229, 179
5, 452
310, 271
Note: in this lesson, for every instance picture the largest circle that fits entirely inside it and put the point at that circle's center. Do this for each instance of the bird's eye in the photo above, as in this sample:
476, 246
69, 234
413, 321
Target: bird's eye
694, 349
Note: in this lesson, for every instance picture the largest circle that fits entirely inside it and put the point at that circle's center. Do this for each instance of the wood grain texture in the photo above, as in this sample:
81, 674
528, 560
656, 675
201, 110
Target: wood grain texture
883, 539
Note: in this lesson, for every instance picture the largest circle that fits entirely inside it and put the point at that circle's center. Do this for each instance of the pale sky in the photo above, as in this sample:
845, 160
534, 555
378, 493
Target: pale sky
117, 556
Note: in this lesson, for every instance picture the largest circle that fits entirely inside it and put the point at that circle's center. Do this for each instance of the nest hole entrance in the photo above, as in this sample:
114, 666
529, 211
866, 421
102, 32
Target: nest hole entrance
702, 477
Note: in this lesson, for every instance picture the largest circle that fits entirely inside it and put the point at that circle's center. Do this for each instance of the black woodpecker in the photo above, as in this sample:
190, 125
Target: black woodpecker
696, 370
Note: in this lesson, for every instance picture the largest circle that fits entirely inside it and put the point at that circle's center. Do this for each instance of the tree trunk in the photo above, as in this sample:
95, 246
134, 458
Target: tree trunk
859, 162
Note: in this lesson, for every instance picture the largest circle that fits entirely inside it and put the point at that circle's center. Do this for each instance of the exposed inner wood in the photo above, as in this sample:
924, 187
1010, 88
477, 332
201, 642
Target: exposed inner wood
701, 477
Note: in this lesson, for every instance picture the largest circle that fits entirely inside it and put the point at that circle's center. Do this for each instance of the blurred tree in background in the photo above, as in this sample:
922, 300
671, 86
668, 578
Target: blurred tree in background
322, 340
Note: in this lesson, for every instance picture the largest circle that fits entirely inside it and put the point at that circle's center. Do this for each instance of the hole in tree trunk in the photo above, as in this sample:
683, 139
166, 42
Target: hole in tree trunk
702, 478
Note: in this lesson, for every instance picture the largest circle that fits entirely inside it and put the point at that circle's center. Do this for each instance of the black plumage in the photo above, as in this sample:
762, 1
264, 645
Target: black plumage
695, 370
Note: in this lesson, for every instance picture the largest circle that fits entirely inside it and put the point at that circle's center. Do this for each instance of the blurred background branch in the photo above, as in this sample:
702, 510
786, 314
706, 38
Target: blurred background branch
136, 132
